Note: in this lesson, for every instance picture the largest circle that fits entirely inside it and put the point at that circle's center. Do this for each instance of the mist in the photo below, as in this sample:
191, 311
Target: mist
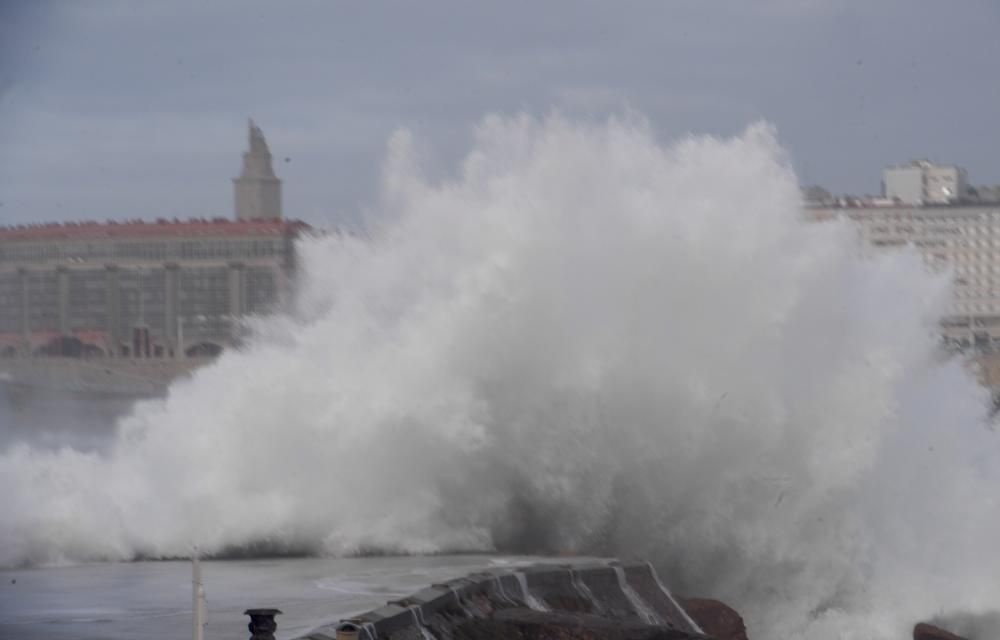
582, 340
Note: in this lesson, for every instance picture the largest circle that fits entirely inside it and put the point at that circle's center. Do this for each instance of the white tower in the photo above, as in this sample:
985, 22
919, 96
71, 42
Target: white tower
257, 190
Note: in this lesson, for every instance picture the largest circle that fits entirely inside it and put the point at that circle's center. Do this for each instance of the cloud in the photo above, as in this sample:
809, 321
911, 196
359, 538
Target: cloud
157, 93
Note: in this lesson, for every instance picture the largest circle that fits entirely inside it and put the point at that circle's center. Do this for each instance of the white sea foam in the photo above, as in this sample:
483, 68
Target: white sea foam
584, 340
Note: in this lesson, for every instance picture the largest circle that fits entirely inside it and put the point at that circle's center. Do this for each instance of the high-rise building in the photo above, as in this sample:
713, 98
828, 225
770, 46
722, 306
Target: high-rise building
922, 182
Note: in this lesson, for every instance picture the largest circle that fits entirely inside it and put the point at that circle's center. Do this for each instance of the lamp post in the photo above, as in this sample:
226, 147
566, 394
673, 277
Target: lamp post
197, 598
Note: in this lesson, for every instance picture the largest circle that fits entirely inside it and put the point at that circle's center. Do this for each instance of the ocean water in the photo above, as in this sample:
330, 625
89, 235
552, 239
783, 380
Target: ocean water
581, 339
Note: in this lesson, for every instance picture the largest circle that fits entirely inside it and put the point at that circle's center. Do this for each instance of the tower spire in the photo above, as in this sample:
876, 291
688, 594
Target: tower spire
257, 190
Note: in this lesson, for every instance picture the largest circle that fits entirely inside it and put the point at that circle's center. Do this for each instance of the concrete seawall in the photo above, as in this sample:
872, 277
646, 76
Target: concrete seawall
622, 596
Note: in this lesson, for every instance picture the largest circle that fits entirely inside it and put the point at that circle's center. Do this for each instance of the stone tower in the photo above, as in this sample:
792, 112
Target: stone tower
257, 190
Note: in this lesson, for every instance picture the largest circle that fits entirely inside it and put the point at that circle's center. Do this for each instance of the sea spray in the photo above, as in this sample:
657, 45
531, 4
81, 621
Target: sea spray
501, 593
584, 591
526, 596
583, 340
420, 623
460, 601
673, 601
641, 608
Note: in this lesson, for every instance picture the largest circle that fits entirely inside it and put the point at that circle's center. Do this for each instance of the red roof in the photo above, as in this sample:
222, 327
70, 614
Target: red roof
159, 229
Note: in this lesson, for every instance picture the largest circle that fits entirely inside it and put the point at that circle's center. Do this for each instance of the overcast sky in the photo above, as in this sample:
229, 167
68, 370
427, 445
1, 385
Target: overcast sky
116, 109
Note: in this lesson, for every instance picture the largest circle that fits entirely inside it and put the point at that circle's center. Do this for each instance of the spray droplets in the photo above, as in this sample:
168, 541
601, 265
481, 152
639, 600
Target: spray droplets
585, 341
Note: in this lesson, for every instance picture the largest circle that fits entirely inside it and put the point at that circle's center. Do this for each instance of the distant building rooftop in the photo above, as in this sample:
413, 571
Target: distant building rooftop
143, 229
874, 202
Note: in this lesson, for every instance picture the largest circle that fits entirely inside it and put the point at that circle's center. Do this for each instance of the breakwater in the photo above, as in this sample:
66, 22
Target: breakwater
535, 601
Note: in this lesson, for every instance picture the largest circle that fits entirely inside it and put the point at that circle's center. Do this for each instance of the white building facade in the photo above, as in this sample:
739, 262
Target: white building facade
962, 239
156, 289
922, 182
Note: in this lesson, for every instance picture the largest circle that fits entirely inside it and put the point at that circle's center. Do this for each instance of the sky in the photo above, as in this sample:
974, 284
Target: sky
137, 109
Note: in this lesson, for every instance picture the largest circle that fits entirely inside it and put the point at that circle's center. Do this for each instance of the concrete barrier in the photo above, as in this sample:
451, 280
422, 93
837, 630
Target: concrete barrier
630, 593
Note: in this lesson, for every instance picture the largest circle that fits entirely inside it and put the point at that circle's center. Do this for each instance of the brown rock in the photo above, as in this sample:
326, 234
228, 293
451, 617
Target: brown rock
717, 619
924, 631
